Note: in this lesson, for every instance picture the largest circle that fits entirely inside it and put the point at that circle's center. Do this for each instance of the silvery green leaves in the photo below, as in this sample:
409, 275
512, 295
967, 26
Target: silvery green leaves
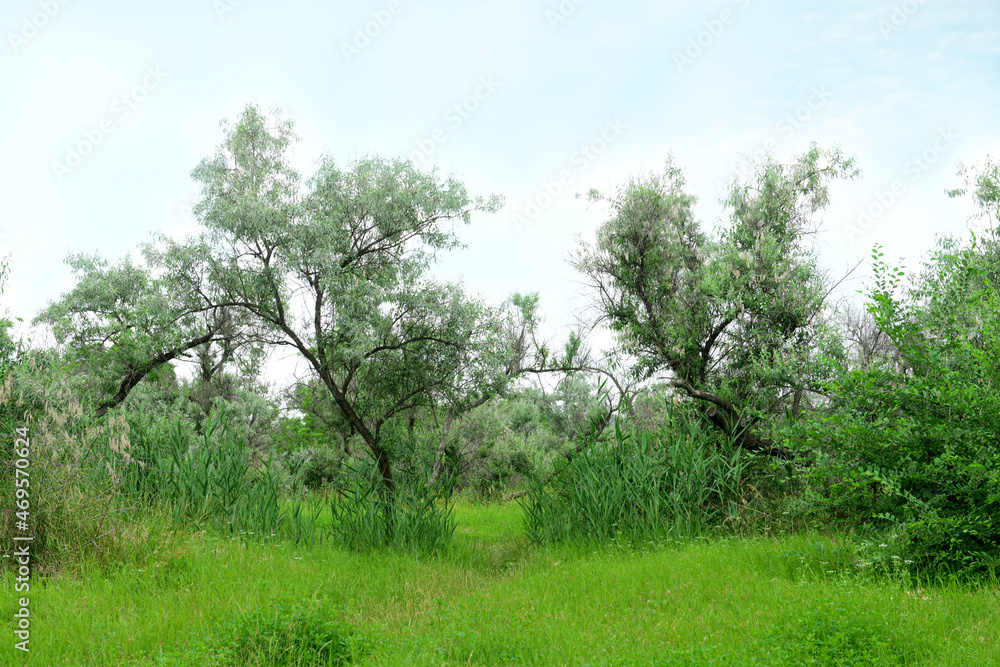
646, 262
734, 319
249, 191
773, 283
125, 321
337, 271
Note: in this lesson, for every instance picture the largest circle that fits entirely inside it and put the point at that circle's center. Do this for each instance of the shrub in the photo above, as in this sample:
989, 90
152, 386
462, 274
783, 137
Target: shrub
288, 634
913, 451
78, 508
321, 467
285, 633
500, 443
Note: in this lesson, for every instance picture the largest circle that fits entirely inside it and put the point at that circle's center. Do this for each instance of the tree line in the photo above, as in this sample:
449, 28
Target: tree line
887, 413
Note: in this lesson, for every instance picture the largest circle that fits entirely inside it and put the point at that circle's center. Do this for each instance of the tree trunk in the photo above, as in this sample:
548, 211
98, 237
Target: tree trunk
725, 417
379, 453
744, 439
385, 470
439, 457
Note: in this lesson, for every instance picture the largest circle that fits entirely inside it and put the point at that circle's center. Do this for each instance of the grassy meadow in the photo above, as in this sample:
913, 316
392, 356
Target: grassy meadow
491, 599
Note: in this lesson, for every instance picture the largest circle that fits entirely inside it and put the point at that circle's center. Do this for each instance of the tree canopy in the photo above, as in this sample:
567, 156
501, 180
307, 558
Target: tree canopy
123, 322
735, 321
336, 269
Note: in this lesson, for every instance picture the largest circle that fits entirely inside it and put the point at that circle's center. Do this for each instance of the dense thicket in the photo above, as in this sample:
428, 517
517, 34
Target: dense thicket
738, 395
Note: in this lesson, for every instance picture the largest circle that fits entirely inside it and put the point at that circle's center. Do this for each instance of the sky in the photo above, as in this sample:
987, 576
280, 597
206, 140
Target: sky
106, 106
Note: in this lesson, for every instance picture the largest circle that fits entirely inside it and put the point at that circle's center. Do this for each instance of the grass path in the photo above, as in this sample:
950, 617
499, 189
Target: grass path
493, 600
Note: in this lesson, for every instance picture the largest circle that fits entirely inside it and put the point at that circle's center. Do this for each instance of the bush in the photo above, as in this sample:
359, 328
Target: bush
321, 467
78, 510
498, 445
287, 634
284, 633
913, 451
895, 465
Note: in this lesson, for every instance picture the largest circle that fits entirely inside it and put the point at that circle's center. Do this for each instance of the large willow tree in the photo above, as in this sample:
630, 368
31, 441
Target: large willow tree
336, 269
736, 321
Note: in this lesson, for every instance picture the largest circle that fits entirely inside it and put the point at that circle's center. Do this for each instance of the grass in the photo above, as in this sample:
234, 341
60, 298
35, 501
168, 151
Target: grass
492, 600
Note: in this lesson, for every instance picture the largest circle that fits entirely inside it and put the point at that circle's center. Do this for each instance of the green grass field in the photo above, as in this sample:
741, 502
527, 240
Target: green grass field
492, 600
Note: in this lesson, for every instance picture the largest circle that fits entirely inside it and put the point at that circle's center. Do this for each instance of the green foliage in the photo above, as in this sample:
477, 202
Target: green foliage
288, 634
727, 602
315, 421
832, 635
497, 445
914, 450
321, 468
250, 415
352, 248
214, 482
828, 635
640, 487
416, 517
10, 349
121, 323
79, 508
740, 315
285, 633
982, 183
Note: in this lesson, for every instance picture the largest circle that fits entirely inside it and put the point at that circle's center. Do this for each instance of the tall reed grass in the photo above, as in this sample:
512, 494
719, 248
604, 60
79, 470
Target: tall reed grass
212, 481
77, 510
639, 487
415, 516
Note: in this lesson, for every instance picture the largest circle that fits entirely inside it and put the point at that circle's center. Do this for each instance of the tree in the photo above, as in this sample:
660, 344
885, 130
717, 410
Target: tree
869, 345
321, 421
738, 322
982, 185
10, 349
124, 322
910, 439
337, 271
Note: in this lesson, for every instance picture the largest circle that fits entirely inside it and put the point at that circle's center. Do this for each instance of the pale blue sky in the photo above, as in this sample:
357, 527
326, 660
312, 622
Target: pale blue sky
886, 82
